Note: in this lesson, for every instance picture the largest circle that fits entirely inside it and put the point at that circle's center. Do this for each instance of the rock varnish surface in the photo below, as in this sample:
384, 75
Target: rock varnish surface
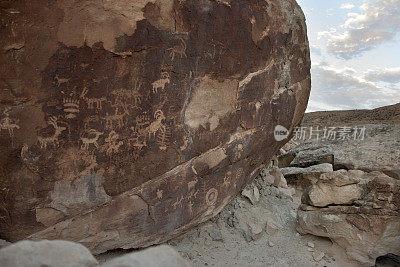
124, 123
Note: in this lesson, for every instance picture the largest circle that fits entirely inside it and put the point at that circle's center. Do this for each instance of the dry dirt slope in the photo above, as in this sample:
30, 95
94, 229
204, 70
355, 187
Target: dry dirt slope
382, 115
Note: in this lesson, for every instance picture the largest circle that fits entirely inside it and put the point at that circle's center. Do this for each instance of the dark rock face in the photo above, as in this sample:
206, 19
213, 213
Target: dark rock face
124, 123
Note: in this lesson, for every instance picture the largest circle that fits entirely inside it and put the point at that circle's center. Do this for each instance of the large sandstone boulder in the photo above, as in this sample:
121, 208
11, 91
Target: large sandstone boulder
56, 253
124, 123
161, 256
358, 211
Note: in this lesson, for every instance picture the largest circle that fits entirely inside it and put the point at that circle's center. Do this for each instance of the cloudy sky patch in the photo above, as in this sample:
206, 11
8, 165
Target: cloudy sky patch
347, 6
354, 50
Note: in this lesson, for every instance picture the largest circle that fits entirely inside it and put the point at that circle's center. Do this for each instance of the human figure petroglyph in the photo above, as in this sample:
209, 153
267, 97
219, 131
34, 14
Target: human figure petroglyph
190, 206
137, 98
7, 123
239, 174
159, 193
91, 138
227, 179
160, 84
179, 49
53, 140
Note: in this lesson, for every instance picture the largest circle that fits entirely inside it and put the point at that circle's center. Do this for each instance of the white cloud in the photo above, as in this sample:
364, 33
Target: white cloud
377, 23
315, 49
391, 75
340, 89
347, 6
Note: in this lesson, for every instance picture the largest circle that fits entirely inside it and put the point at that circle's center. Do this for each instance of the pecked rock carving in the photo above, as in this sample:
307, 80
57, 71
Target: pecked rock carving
125, 123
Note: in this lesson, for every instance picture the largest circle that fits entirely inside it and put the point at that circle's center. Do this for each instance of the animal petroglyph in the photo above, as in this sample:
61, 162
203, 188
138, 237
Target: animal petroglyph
160, 84
61, 81
179, 49
7, 123
192, 184
53, 140
91, 138
93, 102
132, 95
116, 120
157, 125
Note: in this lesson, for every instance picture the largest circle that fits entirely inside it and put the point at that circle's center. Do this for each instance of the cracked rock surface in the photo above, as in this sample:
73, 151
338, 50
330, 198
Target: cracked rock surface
125, 123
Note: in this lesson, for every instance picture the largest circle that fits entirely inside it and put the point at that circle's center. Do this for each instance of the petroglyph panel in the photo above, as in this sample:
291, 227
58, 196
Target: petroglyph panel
124, 123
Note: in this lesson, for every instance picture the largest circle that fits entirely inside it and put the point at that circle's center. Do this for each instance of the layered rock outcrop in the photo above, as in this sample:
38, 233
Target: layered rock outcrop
124, 123
358, 211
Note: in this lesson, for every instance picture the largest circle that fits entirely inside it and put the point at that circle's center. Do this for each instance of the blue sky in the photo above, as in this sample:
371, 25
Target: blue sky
355, 52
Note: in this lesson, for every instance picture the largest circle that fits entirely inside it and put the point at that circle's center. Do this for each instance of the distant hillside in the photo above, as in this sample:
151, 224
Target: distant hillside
382, 115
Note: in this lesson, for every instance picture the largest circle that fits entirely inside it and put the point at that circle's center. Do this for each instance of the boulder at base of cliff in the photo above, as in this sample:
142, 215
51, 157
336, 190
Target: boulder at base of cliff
55, 253
160, 256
